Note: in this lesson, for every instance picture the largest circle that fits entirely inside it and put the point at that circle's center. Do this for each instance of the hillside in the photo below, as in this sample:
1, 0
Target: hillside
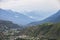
46, 30
6, 25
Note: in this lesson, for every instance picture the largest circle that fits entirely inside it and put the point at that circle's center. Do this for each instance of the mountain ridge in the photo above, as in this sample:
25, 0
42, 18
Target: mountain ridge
54, 18
15, 17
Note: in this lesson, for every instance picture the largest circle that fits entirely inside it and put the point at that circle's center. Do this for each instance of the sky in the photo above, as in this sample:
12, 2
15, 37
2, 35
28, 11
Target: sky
36, 9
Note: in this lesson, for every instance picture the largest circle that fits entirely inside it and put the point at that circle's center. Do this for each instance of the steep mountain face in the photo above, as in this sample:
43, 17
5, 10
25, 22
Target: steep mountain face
54, 19
15, 17
6, 25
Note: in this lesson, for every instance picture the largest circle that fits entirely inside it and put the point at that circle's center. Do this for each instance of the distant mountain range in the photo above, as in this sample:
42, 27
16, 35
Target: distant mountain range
22, 19
15, 17
52, 19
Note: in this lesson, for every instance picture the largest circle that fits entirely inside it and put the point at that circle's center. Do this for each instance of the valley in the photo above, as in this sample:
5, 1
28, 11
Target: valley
47, 29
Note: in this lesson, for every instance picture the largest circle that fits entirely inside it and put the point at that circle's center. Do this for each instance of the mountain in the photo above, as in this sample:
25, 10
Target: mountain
6, 25
15, 17
54, 19
36, 14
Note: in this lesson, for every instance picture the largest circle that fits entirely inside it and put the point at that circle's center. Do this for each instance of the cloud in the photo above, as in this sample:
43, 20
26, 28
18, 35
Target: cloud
29, 4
